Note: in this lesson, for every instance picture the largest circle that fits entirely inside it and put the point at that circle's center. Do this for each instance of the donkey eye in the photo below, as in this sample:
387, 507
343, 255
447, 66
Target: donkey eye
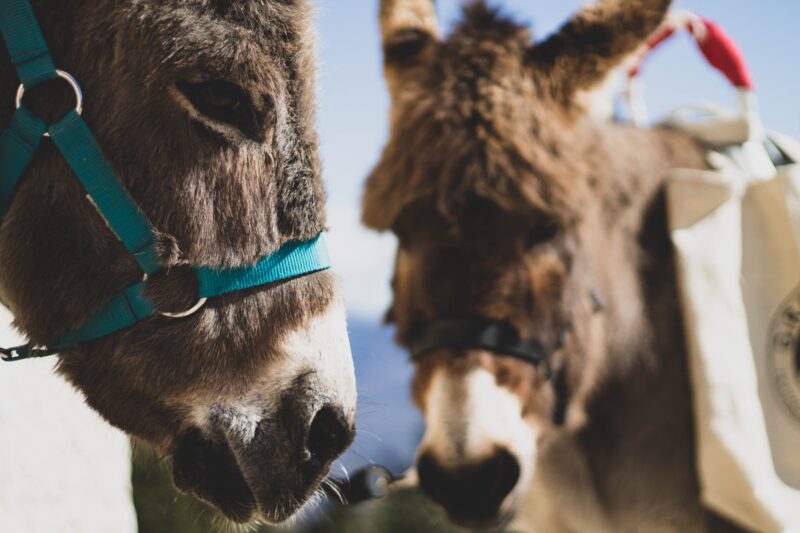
225, 102
222, 95
541, 234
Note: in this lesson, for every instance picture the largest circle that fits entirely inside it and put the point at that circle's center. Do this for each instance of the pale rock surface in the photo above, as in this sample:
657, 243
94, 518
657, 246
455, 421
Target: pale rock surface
62, 468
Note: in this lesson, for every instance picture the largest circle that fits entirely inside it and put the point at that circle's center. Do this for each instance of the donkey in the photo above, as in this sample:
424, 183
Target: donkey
534, 281
205, 111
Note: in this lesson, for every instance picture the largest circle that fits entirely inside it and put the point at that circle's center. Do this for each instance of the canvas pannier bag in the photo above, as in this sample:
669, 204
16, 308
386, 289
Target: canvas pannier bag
736, 232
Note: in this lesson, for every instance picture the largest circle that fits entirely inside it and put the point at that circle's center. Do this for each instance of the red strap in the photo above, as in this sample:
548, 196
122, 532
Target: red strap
719, 49
654, 42
724, 54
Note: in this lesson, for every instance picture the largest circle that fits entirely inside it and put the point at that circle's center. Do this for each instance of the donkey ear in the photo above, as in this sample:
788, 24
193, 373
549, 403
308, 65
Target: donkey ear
408, 28
582, 54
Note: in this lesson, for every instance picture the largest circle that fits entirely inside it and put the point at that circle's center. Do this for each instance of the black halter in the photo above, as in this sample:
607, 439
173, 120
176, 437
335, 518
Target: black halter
500, 338
473, 333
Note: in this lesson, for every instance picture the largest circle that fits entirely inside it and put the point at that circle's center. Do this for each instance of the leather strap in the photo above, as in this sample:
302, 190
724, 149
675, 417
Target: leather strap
464, 334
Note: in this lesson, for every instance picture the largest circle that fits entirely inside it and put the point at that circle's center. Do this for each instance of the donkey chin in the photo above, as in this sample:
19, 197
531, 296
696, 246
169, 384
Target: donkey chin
262, 455
478, 452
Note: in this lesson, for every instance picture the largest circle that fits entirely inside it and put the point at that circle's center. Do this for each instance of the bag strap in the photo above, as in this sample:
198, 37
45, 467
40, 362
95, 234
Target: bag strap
720, 51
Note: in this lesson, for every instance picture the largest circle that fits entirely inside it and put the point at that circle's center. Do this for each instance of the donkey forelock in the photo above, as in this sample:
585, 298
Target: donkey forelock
493, 114
456, 128
205, 111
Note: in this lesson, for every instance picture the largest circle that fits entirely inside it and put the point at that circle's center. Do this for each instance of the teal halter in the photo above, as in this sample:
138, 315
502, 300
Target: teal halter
72, 137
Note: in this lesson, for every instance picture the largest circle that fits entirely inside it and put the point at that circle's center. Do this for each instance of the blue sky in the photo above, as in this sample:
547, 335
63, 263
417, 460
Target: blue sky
353, 103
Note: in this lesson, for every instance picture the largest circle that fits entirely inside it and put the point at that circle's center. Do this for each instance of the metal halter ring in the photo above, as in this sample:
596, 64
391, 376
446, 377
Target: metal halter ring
189, 312
182, 314
72, 83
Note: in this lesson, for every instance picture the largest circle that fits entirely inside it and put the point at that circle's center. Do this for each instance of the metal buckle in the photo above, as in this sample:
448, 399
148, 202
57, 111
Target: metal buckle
182, 314
76, 88
20, 353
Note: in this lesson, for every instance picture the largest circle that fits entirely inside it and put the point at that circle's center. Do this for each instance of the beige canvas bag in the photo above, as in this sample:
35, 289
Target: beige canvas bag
738, 253
736, 232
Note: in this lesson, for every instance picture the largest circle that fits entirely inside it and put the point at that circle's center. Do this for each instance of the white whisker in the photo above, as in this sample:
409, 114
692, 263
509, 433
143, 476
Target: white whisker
343, 469
334, 489
370, 434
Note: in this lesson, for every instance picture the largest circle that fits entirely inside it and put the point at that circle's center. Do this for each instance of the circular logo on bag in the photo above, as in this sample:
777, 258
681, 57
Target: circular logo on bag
785, 351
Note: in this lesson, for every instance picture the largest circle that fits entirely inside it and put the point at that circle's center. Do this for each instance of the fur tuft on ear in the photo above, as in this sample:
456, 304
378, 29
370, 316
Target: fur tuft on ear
404, 46
584, 52
400, 15
407, 28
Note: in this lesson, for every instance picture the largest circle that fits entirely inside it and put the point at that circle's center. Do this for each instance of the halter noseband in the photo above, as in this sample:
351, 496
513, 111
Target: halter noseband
472, 333
500, 338
18, 144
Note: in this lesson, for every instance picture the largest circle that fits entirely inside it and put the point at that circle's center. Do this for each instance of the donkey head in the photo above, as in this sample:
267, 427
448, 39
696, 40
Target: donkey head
500, 190
205, 110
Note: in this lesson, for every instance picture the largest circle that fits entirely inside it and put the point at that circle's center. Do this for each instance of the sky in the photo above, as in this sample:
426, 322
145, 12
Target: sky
353, 103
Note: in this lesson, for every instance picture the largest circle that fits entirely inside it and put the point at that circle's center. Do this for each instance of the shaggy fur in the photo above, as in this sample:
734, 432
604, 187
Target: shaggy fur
511, 204
218, 198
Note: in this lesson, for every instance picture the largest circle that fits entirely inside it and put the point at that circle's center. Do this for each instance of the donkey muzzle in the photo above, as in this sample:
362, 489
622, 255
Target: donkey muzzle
265, 473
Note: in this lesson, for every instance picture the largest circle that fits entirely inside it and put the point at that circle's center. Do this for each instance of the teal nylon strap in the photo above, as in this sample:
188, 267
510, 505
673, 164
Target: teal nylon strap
25, 43
72, 137
18, 144
131, 306
294, 259
124, 310
29, 54
76, 143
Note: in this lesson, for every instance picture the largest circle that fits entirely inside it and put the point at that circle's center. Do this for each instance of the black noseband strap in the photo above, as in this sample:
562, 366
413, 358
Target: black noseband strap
464, 334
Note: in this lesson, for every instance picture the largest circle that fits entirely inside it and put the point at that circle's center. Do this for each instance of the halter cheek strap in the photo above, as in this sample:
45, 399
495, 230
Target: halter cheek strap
72, 137
18, 144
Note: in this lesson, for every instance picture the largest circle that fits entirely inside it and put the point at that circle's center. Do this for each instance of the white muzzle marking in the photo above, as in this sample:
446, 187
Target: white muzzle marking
320, 351
469, 417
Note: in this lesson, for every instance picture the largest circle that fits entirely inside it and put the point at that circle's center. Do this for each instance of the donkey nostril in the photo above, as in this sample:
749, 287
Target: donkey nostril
228, 103
473, 493
329, 435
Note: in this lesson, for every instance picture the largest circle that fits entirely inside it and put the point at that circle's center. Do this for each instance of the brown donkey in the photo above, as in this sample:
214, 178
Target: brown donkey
205, 111
534, 281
